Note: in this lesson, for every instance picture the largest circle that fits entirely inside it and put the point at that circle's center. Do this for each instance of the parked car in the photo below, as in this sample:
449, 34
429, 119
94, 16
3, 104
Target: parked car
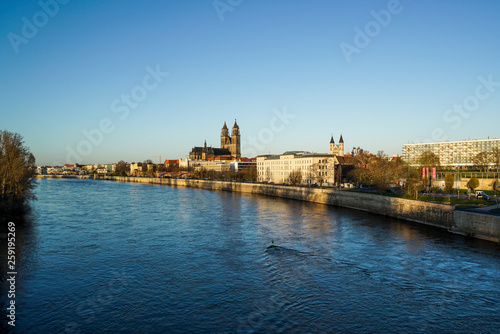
481, 195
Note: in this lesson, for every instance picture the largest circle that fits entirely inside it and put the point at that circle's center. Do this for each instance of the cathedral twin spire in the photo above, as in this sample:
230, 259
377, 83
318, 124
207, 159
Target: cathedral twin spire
337, 149
232, 143
340, 141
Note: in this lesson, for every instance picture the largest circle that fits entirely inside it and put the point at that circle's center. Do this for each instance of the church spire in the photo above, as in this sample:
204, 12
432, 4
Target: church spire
235, 124
332, 141
341, 139
225, 126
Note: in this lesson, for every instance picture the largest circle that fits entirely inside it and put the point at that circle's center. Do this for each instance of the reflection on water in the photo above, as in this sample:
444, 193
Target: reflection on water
117, 257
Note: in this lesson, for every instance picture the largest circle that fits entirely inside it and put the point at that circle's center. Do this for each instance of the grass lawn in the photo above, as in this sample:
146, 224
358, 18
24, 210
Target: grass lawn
462, 202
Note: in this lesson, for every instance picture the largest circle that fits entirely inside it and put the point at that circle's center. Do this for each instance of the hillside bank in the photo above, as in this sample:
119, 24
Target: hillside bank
478, 225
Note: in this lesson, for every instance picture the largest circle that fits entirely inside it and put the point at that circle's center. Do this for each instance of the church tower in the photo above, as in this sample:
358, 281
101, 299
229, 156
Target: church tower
225, 140
341, 146
332, 146
337, 149
235, 147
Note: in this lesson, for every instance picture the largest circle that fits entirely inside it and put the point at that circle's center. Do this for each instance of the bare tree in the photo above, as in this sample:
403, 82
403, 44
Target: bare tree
496, 187
361, 157
381, 173
414, 183
494, 157
317, 173
429, 159
121, 168
250, 173
481, 160
359, 176
295, 177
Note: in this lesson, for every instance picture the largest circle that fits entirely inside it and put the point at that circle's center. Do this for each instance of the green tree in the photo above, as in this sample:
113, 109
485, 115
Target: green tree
17, 170
449, 180
473, 182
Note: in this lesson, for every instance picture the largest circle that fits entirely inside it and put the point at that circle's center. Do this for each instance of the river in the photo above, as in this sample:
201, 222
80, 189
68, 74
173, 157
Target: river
110, 257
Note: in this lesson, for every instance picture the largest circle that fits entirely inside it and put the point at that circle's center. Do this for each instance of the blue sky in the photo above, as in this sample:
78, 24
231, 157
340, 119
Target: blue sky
381, 73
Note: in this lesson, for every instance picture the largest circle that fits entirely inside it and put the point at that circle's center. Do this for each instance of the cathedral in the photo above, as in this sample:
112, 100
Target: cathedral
229, 145
337, 149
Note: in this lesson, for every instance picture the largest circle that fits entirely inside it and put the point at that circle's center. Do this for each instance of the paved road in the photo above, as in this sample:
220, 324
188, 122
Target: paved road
488, 208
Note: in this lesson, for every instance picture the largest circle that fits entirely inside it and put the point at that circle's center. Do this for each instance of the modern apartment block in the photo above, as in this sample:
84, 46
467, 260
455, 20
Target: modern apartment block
451, 153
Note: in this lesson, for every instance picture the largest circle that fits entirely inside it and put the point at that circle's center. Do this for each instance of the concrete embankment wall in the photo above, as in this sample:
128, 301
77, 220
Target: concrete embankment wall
482, 226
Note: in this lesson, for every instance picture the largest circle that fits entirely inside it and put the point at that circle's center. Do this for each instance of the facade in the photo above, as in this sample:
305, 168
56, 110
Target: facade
202, 165
242, 164
229, 145
277, 168
451, 153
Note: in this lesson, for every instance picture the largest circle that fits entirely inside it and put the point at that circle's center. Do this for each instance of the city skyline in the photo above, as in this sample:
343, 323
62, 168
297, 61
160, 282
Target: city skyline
133, 81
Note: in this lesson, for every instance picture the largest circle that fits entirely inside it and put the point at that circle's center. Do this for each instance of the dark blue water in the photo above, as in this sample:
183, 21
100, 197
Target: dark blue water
104, 257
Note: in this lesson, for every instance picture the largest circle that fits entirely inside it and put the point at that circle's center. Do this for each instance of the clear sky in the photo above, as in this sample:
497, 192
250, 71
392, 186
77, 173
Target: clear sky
102, 81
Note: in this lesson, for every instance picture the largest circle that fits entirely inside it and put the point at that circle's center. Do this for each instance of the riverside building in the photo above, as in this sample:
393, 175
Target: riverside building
451, 153
313, 166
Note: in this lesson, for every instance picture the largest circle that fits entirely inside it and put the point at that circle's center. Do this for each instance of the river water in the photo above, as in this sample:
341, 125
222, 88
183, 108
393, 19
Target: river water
108, 257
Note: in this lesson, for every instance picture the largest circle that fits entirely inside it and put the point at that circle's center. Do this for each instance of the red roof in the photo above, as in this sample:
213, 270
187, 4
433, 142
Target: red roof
171, 162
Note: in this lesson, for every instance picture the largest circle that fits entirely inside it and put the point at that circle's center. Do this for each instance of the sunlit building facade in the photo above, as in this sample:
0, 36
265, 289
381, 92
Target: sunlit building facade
451, 153
277, 168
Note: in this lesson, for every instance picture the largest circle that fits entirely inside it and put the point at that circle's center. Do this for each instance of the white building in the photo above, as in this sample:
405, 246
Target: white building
451, 153
238, 166
313, 166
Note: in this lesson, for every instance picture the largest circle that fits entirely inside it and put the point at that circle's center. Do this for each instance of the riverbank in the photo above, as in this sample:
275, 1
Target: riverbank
473, 224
